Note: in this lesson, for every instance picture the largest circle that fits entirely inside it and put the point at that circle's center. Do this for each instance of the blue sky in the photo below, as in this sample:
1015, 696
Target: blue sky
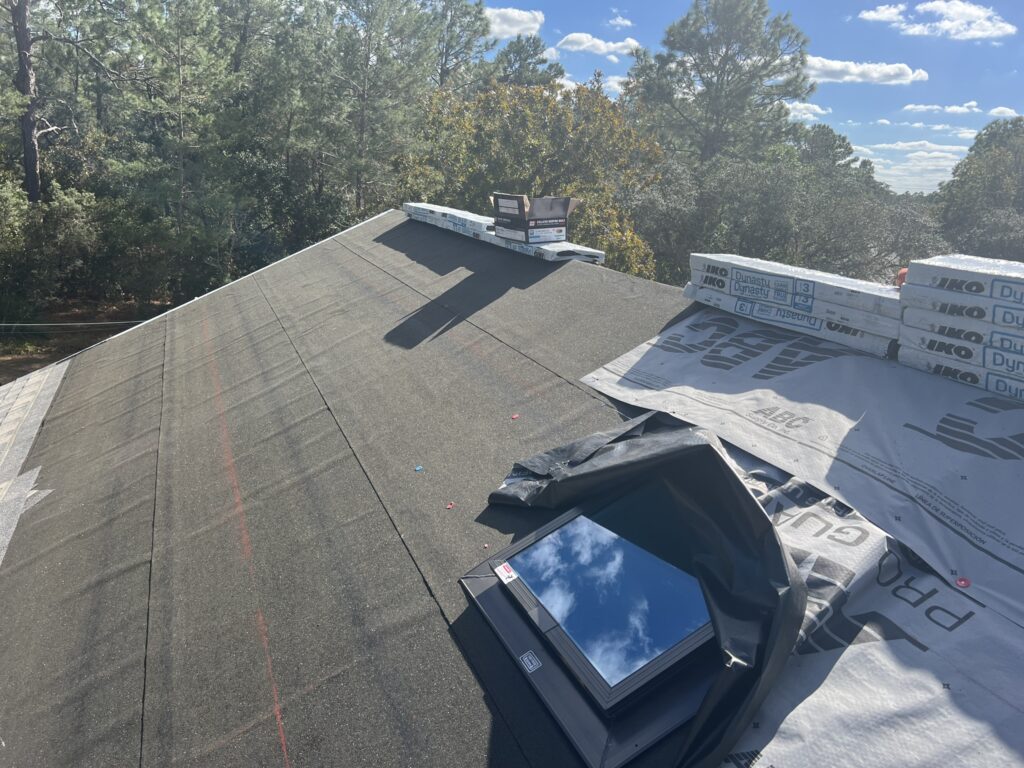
908, 83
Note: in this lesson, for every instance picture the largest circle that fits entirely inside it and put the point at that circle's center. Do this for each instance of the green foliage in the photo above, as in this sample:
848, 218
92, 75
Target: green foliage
540, 140
522, 62
983, 205
185, 144
807, 202
722, 82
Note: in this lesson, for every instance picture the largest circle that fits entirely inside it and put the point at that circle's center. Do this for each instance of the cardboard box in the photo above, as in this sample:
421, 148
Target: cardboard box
785, 317
1002, 361
532, 219
997, 383
787, 285
963, 306
966, 329
971, 275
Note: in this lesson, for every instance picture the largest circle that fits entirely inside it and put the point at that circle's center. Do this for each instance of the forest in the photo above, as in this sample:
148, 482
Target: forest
151, 151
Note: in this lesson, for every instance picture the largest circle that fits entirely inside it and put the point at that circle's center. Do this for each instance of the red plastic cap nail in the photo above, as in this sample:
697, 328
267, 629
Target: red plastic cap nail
963, 582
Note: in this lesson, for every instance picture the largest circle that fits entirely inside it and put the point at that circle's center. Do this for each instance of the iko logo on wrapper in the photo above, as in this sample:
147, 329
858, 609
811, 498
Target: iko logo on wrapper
971, 275
998, 360
949, 368
796, 287
962, 306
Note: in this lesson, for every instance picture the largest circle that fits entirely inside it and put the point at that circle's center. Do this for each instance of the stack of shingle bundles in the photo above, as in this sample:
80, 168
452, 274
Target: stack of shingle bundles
963, 318
482, 228
858, 313
463, 222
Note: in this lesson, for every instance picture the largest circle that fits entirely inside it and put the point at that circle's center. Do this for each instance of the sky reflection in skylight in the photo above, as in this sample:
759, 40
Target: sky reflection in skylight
621, 605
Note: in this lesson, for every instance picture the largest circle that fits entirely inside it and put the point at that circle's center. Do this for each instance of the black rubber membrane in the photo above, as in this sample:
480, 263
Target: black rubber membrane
754, 593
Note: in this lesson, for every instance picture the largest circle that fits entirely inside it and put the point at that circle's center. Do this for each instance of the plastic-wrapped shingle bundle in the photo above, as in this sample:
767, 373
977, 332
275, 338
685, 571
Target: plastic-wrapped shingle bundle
857, 313
482, 228
963, 318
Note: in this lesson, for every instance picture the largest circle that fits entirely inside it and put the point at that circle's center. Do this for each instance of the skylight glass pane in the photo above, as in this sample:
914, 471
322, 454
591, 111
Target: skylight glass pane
621, 605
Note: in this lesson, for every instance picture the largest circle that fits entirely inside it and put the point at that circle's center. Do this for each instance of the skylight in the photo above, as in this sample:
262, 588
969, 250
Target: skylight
620, 605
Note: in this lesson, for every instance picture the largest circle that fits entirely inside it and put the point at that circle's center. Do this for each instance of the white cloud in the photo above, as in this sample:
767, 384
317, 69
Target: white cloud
583, 41
559, 599
509, 22
953, 130
616, 654
567, 82
955, 19
550, 54
917, 171
613, 84
890, 13
954, 109
612, 58
883, 121
862, 150
1003, 112
825, 70
606, 574
619, 22
800, 110
926, 146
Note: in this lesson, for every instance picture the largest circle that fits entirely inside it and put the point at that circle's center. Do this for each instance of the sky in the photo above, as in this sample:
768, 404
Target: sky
909, 84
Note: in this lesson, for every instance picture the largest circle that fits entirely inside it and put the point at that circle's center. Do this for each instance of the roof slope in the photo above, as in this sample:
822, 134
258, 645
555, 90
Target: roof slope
238, 564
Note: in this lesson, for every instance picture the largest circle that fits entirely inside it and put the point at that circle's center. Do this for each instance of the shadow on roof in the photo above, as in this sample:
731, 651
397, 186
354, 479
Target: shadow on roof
494, 272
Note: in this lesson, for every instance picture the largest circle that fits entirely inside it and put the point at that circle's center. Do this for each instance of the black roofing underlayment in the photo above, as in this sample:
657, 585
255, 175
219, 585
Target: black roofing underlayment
238, 564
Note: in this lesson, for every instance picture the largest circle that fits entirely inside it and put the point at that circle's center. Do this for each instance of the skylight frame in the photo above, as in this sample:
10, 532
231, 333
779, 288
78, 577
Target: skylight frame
609, 698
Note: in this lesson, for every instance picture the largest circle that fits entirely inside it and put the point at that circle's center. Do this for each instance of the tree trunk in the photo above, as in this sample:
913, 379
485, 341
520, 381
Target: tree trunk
25, 82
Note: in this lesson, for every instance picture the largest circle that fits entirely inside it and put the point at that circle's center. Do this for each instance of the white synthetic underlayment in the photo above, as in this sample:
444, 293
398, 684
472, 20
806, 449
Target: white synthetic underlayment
895, 667
23, 406
935, 463
899, 665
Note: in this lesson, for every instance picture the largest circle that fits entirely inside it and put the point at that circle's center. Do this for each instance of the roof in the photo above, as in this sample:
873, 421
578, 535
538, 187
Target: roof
237, 561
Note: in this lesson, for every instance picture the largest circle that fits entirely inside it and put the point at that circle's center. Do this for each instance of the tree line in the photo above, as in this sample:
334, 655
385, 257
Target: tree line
153, 150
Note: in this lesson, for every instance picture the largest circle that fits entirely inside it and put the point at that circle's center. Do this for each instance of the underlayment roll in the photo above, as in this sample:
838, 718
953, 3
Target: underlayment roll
785, 317
997, 360
963, 306
997, 383
973, 275
964, 328
797, 287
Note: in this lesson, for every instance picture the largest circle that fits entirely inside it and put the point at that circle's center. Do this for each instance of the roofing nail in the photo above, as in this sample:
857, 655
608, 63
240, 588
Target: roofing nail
450, 505
515, 416
963, 582
419, 468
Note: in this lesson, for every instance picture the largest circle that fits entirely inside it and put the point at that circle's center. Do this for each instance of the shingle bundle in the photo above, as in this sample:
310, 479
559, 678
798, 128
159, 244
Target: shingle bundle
482, 228
963, 318
857, 313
